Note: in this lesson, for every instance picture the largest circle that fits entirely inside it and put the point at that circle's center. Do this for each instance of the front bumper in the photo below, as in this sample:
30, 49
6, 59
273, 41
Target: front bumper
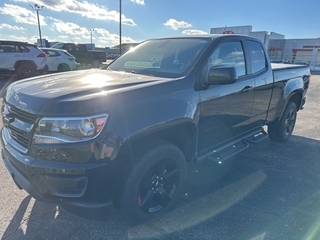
83, 189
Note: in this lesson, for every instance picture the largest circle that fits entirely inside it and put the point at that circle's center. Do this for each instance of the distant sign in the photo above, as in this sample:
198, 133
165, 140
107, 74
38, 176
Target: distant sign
311, 46
228, 32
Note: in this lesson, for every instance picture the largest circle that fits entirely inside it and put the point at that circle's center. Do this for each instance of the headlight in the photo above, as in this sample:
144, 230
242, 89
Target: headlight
68, 130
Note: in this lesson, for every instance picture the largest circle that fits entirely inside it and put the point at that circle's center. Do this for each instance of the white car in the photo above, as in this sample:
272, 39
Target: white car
59, 60
21, 59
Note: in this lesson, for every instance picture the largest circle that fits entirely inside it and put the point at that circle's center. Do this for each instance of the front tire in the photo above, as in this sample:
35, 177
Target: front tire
282, 131
63, 68
153, 184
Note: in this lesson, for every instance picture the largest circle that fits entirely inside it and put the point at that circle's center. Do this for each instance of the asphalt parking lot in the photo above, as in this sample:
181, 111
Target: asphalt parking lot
271, 191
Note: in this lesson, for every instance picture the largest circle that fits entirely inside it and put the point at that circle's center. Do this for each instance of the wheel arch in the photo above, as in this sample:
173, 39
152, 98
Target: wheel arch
21, 62
63, 64
295, 97
182, 135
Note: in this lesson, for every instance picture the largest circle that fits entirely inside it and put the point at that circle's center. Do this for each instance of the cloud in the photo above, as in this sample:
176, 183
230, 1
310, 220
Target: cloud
69, 27
83, 8
21, 15
174, 24
73, 31
107, 37
193, 32
32, 39
7, 26
140, 2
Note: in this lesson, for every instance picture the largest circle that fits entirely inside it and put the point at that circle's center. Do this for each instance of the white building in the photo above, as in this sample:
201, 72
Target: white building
296, 51
264, 36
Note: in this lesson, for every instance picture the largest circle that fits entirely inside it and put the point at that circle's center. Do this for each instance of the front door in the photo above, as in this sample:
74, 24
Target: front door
225, 109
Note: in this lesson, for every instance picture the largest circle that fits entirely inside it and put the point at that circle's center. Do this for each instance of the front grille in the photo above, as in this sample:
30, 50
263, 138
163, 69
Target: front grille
22, 115
20, 137
21, 134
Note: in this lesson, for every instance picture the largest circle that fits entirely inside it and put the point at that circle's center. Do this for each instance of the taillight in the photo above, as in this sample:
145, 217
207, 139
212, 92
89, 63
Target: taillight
71, 59
42, 55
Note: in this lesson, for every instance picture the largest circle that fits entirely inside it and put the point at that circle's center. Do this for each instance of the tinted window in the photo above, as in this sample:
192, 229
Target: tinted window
81, 48
229, 54
9, 48
258, 58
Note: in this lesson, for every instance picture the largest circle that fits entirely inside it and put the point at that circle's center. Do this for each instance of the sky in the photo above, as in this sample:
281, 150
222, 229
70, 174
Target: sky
78, 20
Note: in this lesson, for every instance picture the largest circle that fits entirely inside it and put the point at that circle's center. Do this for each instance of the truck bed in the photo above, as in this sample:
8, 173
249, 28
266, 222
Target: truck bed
281, 66
283, 71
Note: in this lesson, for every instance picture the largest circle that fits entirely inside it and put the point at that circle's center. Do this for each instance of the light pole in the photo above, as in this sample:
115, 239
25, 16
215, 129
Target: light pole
91, 30
38, 8
120, 26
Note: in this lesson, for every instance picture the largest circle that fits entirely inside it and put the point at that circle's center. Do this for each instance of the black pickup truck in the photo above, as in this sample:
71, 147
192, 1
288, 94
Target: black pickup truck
124, 136
82, 54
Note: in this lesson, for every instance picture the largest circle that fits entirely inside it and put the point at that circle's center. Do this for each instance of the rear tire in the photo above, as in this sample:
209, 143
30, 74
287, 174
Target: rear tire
153, 184
26, 70
282, 131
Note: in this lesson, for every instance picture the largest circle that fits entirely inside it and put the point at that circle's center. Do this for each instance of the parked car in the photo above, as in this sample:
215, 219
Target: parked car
124, 136
22, 59
59, 60
82, 54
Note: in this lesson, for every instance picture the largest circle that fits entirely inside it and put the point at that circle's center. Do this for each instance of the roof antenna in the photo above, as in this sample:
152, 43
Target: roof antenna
225, 27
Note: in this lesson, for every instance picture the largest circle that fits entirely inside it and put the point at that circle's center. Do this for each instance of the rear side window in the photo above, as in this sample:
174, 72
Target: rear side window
9, 48
81, 48
24, 49
51, 53
258, 57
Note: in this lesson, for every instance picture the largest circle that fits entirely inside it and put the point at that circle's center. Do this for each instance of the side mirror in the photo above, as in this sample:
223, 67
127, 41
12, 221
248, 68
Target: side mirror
222, 75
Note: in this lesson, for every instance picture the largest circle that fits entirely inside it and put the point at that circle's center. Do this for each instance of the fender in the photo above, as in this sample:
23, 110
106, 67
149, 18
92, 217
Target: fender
293, 87
172, 119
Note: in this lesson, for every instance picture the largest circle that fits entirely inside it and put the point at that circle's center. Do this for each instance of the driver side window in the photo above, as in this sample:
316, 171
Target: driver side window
229, 54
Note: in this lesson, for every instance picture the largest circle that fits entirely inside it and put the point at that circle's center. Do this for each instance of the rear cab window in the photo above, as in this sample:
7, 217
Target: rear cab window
258, 56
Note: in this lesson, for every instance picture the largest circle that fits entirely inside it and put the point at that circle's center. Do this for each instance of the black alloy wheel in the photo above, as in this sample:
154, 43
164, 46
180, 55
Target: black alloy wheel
158, 186
290, 121
152, 184
26, 70
281, 131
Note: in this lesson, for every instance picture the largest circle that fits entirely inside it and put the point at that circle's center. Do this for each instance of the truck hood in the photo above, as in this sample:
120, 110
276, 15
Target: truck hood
33, 94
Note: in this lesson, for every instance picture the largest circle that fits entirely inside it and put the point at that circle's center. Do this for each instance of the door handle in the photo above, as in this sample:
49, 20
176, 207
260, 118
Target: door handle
247, 89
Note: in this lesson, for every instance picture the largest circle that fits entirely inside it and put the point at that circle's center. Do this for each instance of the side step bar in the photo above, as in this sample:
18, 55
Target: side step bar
256, 138
231, 149
228, 152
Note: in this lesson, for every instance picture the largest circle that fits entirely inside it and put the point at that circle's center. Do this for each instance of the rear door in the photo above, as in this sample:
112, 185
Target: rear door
225, 109
263, 76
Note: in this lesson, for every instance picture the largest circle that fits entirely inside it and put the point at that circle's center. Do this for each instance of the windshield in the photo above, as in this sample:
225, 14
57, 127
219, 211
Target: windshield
161, 57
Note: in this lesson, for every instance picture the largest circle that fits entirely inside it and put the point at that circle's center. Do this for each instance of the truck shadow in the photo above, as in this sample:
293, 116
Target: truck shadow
268, 190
